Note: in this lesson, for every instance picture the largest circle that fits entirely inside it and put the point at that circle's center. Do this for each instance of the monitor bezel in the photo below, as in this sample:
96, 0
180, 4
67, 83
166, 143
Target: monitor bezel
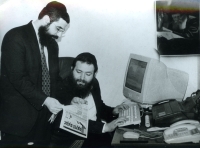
132, 94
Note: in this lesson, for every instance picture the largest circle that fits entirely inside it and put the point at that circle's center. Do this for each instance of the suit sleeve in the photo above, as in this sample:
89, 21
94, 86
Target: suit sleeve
104, 112
14, 53
192, 29
64, 93
95, 127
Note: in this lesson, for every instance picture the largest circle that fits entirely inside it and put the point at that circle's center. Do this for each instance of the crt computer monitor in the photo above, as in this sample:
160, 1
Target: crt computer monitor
148, 81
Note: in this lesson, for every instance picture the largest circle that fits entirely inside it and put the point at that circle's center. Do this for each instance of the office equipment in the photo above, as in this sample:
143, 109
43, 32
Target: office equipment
132, 113
182, 132
153, 129
193, 122
192, 103
133, 135
147, 122
148, 81
167, 112
148, 135
146, 139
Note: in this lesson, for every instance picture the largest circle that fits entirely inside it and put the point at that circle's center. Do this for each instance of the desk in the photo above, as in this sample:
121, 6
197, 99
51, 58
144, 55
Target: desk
119, 142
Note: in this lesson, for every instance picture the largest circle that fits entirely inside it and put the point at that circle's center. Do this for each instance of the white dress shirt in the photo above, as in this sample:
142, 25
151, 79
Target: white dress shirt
92, 111
45, 48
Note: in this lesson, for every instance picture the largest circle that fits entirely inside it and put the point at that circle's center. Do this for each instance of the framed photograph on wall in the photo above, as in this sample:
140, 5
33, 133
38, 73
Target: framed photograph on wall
177, 23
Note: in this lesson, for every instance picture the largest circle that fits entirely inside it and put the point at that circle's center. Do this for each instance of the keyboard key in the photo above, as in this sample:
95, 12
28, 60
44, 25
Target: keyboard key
133, 115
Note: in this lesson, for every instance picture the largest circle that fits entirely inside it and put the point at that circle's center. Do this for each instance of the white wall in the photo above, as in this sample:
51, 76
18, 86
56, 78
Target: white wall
111, 30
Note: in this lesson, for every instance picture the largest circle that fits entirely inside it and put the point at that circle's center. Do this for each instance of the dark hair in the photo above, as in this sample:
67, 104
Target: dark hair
55, 11
88, 58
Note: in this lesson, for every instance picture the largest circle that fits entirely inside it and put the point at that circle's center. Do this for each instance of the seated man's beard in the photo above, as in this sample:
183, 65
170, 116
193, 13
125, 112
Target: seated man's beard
81, 91
44, 36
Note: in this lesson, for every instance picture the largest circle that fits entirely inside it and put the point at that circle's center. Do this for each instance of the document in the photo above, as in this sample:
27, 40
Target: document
168, 34
75, 119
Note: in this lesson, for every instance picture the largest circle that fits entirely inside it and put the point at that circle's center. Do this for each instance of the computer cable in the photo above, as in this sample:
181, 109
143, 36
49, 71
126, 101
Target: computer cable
142, 112
197, 107
150, 135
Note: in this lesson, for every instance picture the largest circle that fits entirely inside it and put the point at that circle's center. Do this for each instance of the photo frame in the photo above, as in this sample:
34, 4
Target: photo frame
177, 26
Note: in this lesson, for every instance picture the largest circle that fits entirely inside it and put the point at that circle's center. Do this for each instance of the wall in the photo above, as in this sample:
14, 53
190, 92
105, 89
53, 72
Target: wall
111, 30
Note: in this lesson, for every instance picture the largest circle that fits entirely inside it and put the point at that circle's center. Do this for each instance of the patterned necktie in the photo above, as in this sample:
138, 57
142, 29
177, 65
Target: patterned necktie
45, 75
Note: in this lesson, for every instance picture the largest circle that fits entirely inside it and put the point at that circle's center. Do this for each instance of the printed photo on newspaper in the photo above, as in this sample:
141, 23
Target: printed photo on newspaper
75, 119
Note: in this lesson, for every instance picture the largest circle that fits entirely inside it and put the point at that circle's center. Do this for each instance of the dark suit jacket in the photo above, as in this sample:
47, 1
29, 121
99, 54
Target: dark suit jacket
103, 111
21, 78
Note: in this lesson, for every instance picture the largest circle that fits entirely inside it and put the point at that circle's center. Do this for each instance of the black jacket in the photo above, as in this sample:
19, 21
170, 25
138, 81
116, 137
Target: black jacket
103, 111
21, 79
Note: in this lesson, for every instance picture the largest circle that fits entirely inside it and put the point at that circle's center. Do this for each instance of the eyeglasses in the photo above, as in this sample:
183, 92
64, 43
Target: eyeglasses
60, 29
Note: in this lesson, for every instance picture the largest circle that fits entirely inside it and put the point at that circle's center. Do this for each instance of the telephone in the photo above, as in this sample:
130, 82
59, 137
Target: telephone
183, 131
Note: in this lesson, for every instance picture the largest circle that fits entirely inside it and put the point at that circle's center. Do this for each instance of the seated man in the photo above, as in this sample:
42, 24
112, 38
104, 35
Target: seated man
185, 26
188, 28
82, 87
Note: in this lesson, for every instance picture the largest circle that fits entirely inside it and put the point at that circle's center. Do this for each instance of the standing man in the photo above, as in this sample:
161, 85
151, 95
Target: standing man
82, 87
29, 76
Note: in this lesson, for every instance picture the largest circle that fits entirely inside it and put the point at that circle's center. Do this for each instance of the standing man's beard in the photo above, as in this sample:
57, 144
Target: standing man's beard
44, 36
81, 91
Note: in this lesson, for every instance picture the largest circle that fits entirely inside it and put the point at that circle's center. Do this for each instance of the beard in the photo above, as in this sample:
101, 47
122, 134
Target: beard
44, 36
79, 90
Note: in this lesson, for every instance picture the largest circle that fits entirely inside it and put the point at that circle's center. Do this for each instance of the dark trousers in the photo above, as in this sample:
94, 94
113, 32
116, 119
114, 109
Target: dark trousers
98, 140
38, 136
61, 139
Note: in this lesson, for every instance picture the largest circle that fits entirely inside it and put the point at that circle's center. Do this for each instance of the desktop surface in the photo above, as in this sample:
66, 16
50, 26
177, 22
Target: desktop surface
157, 139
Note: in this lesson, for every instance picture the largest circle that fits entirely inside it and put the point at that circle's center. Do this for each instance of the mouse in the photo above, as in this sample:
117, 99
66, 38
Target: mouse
131, 135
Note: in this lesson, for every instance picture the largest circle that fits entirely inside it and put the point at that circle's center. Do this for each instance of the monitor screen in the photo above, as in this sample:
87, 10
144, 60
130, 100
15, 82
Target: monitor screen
135, 75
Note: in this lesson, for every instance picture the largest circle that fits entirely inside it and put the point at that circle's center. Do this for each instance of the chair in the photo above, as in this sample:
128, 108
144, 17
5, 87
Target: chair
65, 66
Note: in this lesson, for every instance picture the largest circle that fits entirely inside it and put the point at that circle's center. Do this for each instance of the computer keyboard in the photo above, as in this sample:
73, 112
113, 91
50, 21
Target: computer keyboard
133, 115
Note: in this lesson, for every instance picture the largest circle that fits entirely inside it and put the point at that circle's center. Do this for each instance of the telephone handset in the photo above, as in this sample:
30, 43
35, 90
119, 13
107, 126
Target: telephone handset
183, 131
193, 122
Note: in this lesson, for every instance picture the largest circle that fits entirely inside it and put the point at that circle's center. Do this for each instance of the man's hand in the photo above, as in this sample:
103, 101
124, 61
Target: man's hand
77, 100
120, 107
109, 127
53, 105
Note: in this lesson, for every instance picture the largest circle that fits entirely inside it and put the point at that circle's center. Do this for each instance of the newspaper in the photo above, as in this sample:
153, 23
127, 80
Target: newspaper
75, 119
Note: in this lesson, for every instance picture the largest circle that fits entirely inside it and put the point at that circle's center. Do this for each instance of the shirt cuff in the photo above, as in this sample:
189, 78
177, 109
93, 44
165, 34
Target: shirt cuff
103, 130
44, 101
